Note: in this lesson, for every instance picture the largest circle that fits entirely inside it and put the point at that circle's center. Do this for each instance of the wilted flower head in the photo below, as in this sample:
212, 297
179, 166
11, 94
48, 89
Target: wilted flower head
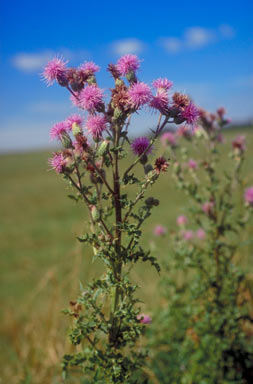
128, 63
182, 220
164, 84
139, 94
89, 67
192, 164
140, 144
207, 207
200, 234
96, 125
57, 162
169, 138
180, 100
58, 130
239, 143
161, 165
144, 319
190, 113
160, 101
90, 98
159, 230
248, 195
54, 70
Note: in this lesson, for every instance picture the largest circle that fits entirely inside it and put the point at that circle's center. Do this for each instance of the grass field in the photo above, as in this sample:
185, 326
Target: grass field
42, 263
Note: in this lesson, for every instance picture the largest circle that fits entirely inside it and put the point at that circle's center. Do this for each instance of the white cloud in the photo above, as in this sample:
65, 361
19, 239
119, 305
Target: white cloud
171, 44
197, 37
35, 61
122, 47
30, 62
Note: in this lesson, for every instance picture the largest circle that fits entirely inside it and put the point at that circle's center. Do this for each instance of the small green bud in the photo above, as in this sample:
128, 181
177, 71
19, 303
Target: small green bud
148, 168
103, 148
119, 82
91, 80
76, 129
66, 140
131, 77
95, 213
144, 159
117, 114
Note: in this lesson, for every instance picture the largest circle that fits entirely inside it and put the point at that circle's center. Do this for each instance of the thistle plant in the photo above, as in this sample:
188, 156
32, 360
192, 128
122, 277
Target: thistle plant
107, 322
205, 328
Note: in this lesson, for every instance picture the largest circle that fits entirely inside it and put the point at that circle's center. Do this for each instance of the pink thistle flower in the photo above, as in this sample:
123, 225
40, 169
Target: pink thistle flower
90, 98
57, 162
160, 101
159, 230
182, 220
140, 144
54, 70
58, 130
73, 119
221, 112
200, 234
144, 319
75, 100
190, 113
164, 84
188, 235
248, 195
96, 125
128, 63
169, 138
192, 164
207, 207
89, 67
239, 143
139, 94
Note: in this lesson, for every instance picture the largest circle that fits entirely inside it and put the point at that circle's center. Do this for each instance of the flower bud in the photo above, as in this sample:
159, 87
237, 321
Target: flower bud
119, 82
117, 114
66, 140
131, 77
148, 168
103, 148
144, 159
76, 129
179, 119
91, 80
95, 213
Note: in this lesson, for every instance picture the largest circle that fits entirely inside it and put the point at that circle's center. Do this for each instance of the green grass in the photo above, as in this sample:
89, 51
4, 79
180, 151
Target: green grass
42, 263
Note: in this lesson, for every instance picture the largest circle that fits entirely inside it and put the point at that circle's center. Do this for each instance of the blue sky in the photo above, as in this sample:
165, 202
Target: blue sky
205, 48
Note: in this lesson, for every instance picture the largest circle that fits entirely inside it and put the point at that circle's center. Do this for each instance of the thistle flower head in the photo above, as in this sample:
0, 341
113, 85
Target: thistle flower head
128, 63
182, 220
207, 207
144, 319
192, 164
239, 143
140, 144
169, 138
57, 162
89, 67
58, 130
139, 94
77, 119
190, 113
96, 125
54, 70
164, 84
90, 98
159, 230
248, 195
188, 235
161, 165
160, 101
200, 234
